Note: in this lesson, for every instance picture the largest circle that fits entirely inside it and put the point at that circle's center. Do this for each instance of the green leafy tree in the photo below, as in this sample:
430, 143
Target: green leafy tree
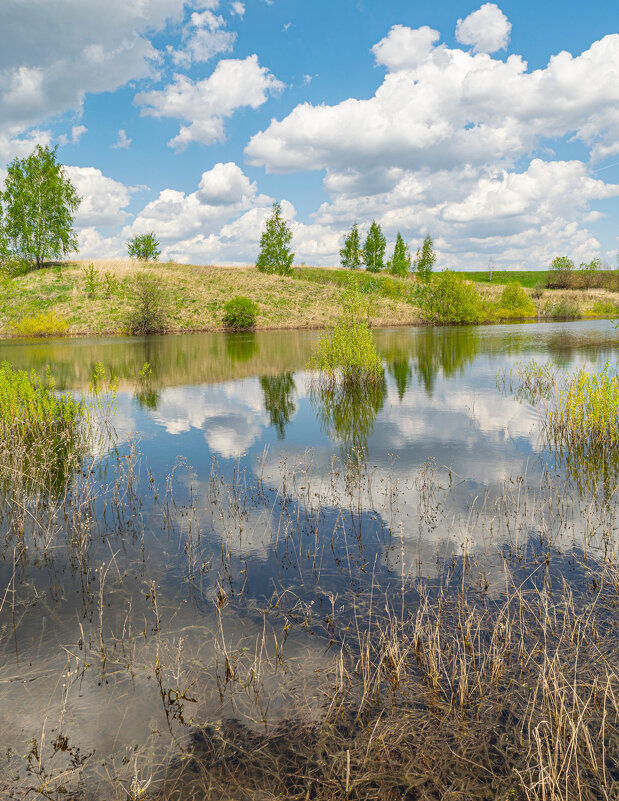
400, 262
144, 247
591, 272
275, 256
425, 259
561, 272
374, 248
39, 204
350, 254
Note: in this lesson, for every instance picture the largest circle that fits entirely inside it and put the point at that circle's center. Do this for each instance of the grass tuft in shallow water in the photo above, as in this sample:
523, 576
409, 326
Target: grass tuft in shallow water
348, 355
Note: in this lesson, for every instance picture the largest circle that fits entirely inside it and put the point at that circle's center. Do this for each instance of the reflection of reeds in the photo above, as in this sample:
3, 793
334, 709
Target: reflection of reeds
389, 685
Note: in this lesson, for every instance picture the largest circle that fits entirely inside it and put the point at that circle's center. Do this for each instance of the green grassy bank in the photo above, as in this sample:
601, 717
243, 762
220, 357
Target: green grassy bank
76, 298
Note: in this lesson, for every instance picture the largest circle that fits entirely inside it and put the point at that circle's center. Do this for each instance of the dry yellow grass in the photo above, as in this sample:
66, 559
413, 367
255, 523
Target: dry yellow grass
197, 294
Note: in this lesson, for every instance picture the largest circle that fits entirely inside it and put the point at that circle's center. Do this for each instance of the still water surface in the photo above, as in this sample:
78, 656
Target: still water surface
221, 408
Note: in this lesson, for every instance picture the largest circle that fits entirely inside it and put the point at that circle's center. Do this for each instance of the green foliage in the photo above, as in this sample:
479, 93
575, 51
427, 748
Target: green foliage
44, 324
538, 290
515, 302
150, 306
349, 353
26, 401
374, 248
39, 204
449, 299
275, 255
590, 271
560, 273
605, 308
92, 280
144, 247
563, 309
583, 425
110, 283
393, 288
351, 254
240, 314
425, 259
400, 262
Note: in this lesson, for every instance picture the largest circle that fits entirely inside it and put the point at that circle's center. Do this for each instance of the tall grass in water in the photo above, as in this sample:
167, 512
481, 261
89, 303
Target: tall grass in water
43, 433
582, 424
348, 385
348, 355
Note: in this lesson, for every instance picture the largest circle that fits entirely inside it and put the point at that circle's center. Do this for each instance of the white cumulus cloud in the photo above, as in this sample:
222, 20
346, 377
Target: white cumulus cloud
205, 104
486, 29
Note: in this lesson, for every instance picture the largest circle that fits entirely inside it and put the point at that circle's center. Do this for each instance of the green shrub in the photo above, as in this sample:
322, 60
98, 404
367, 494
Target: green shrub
348, 354
538, 290
150, 306
515, 302
390, 288
563, 309
44, 324
605, 308
110, 283
240, 314
92, 280
449, 299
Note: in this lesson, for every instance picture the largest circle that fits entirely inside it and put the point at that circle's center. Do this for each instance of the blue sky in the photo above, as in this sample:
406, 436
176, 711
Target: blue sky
494, 127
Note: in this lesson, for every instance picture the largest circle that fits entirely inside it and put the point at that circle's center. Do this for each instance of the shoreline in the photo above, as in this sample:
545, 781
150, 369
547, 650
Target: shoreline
309, 300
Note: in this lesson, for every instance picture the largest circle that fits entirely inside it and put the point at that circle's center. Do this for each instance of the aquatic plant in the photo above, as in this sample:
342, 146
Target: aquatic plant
348, 355
240, 313
43, 433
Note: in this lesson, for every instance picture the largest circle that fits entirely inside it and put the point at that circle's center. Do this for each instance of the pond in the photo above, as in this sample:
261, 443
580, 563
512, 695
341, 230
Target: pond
205, 578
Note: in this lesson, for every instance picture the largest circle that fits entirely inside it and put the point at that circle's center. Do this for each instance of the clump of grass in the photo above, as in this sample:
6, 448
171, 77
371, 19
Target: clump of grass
44, 324
515, 302
240, 314
563, 309
450, 300
585, 416
39, 429
150, 308
348, 355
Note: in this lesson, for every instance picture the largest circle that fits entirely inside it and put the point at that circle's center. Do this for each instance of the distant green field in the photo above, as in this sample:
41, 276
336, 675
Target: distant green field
368, 282
526, 278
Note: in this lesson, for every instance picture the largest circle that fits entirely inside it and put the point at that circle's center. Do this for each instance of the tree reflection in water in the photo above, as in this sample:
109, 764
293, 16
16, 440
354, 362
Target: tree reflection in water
278, 391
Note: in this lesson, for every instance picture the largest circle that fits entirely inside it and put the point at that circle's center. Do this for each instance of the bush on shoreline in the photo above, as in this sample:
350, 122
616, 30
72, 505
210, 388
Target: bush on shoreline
240, 314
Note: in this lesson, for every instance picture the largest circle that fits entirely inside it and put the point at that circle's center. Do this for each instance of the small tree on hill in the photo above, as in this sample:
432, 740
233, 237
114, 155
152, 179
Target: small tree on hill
400, 262
350, 254
39, 204
144, 247
374, 249
561, 272
425, 259
275, 256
